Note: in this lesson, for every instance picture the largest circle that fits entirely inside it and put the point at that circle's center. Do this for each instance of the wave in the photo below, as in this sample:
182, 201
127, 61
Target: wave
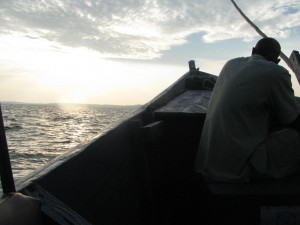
62, 118
13, 127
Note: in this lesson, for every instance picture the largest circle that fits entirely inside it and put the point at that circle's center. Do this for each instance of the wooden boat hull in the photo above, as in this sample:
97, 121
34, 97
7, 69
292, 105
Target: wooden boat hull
129, 174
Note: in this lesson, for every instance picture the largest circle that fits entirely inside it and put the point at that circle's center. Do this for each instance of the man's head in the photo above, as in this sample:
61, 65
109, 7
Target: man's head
269, 48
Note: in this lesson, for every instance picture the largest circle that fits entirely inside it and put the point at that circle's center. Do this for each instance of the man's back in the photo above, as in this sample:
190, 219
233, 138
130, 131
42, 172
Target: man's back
250, 94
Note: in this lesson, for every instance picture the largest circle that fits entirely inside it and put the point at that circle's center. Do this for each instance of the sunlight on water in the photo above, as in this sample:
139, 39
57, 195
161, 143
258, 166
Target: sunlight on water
37, 133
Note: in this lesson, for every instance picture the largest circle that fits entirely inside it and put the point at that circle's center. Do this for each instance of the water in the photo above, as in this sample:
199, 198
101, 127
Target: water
36, 133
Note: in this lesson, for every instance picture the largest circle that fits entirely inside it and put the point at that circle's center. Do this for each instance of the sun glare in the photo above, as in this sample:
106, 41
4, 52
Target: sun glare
73, 97
82, 76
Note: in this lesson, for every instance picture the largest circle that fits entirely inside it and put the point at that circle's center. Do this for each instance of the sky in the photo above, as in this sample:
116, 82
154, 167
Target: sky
126, 52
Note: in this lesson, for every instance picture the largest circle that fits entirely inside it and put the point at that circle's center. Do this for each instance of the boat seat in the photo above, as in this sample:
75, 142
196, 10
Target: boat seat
264, 192
264, 200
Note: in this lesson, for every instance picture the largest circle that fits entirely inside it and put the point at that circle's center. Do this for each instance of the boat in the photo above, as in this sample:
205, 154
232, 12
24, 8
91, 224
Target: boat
140, 172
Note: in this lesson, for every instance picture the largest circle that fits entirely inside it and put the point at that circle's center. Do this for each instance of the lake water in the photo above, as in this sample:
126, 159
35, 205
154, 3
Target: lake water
37, 133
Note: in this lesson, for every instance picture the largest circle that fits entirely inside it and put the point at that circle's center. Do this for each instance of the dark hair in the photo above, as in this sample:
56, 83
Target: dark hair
268, 48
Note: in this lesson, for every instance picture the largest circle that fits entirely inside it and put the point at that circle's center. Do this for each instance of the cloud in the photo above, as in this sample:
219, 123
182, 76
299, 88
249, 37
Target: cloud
142, 29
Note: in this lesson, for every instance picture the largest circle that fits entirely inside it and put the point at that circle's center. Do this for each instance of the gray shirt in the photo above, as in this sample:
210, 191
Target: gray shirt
250, 94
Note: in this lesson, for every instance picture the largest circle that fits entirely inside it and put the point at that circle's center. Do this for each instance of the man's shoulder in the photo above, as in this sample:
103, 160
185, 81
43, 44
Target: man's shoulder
282, 69
268, 64
268, 67
278, 70
237, 62
277, 75
239, 59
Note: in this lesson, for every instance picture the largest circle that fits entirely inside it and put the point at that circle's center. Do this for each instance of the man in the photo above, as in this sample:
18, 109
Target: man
249, 128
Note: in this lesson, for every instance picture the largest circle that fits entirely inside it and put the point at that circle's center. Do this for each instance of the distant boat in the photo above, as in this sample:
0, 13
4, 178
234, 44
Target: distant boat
141, 172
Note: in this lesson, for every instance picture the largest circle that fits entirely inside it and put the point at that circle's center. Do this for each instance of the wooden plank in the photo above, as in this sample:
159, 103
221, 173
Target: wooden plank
190, 102
295, 62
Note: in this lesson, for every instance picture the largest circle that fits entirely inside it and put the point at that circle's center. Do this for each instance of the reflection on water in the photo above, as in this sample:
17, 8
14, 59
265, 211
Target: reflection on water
36, 133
